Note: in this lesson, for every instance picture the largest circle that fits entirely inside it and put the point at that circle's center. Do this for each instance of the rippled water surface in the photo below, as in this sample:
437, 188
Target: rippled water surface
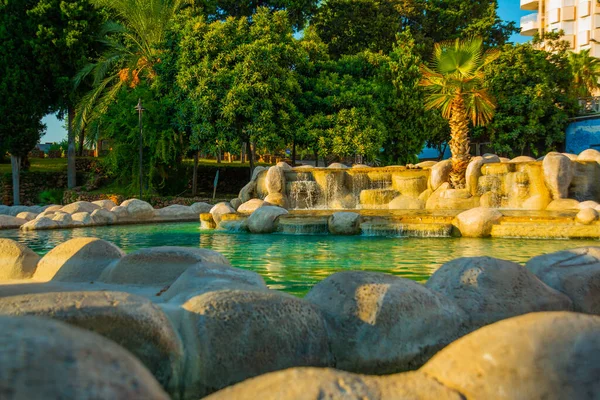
295, 263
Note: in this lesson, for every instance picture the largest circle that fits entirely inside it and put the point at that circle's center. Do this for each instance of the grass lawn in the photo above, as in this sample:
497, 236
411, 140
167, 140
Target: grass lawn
40, 165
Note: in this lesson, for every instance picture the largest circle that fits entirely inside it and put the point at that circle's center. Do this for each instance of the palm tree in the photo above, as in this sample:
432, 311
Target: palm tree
586, 72
455, 85
132, 50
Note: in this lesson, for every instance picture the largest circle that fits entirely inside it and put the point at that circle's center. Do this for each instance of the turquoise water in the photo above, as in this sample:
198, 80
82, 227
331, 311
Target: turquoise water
295, 263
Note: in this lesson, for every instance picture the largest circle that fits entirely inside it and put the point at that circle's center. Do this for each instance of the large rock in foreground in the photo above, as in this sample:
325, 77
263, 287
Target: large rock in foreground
263, 219
42, 359
77, 260
381, 323
158, 266
329, 384
130, 321
242, 334
535, 356
489, 289
16, 260
575, 273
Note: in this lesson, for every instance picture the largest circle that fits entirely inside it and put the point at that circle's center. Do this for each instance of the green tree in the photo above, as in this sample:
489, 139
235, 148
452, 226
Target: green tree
352, 26
23, 86
64, 42
532, 88
455, 83
241, 77
586, 72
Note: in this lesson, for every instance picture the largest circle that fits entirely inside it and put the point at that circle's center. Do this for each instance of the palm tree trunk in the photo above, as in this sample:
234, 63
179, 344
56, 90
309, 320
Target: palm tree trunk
81, 142
459, 143
195, 175
16, 178
71, 174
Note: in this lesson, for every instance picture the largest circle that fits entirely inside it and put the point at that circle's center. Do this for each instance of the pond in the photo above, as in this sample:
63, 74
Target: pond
295, 263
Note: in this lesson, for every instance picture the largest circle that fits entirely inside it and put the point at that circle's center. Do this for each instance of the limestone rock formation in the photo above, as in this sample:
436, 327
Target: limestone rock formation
406, 203
553, 355
380, 323
344, 223
263, 219
45, 359
176, 212
489, 289
83, 217
138, 209
586, 216
80, 206
27, 215
221, 209
250, 206
563, 204
103, 217
589, 155
275, 180
558, 174
201, 207
17, 261
120, 212
576, 273
10, 222
77, 260
478, 222
158, 266
236, 203
40, 223
105, 204
440, 173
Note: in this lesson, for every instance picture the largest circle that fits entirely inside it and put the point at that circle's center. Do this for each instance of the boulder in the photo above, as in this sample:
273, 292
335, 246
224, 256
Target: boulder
284, 166
473, 172
236, 203
522, 159
550, 355
344, 223
10, 222
54, 207
360, 166
558, 174
250, 206
440, 173
242, 334
406, 203
48, 213
40, 224
62, 218
426, 164
120, 212
208, 277
176, 212
380, 324
77, 260
233, 223
103, 217
83, 217
588, 204
576, 273
277, 199
158, 266
445, 198
114, 315
201, 207
80, 206
247, 191
410, 186
570, 156
256, 172
330, 384
221, 209
337, 166
275, 180
536, 202
478, 222
16, 260
138, 209
563, 205
489, 289
263, 219
4, 210
586, 216
589, 155
16, 210
207, 221
27, 215
105, 204
45, 359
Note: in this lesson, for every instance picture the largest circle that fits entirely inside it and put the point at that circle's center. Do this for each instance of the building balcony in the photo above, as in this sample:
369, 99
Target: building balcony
529, 24
529, 5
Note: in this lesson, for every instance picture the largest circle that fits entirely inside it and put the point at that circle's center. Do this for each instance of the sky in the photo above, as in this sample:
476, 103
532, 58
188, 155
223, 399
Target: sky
507, 9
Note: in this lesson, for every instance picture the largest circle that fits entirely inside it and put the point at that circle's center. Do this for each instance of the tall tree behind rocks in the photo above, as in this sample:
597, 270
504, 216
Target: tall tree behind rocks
25, 96
64, 42
533, 90
351, 26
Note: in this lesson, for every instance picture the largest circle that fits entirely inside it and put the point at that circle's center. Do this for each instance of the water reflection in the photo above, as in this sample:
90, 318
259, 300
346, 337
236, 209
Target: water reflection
295, 263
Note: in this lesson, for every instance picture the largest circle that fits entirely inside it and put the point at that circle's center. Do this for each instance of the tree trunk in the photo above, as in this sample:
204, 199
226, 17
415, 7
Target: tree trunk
195, 175
243, 153
316, 158
459, 143
218, 155
251, 158
16, 178
294, 152
81, 141
71, 174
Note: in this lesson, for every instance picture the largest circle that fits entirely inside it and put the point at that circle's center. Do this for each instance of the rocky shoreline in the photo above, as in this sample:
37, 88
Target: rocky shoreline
189, 324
